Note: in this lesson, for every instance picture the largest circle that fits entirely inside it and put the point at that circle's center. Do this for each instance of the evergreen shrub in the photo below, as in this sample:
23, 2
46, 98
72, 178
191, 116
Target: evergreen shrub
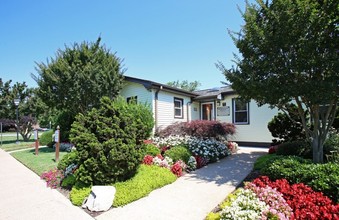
295, 148
70, 158
109, 141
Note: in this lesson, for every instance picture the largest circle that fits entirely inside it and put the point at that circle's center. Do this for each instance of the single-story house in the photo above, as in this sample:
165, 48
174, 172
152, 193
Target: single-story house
170, 105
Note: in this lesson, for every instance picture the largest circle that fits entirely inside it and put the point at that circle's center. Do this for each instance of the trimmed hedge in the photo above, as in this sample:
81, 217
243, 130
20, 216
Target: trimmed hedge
296, 148
321, 177
178, 153
46, 138
151, 149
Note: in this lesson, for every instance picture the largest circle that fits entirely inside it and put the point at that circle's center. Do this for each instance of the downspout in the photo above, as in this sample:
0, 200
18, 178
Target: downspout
188, 110
156, 107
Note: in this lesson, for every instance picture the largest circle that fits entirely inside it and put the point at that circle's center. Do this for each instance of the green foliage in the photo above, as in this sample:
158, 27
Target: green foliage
213, 216
70, 158
145, 181
109, 141
151, 149
289, 54
185, 85
68, 181
321, 177
75, 80
262, 161
283, 128
46, 137
64, 120
178, 153
78, 194
295, 148
332, 143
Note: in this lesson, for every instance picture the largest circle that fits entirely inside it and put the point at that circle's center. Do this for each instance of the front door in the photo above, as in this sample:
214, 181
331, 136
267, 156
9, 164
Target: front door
207, 111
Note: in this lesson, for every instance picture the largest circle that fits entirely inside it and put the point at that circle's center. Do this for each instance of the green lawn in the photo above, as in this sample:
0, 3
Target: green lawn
38, 163
8, 143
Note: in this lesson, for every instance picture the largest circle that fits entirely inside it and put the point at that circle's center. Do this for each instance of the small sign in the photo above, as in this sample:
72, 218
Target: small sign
36, 135
56, 136
223, 111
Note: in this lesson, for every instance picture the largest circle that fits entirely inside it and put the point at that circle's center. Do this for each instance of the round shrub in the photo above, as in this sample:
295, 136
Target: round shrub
70, 158
178, 153
46, 138
295, 148
109, 141
151, 149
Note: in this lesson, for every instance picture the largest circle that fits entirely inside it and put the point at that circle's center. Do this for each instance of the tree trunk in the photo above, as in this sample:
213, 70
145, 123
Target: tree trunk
318, 149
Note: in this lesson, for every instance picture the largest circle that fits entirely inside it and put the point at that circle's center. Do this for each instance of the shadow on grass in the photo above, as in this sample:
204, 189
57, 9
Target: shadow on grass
4, 142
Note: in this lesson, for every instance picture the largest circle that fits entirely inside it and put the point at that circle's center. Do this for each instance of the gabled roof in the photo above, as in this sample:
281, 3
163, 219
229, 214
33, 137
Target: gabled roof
214, 93
148, 84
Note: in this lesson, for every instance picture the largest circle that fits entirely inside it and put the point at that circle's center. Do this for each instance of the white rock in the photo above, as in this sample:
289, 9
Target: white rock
100, 199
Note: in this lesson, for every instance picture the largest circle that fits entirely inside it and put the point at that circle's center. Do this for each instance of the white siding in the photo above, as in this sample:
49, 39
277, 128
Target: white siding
166, 109
195, 111
131, 89
256, 130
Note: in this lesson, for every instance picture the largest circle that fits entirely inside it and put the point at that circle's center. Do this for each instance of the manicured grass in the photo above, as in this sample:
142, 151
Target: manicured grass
9, 144
45, 161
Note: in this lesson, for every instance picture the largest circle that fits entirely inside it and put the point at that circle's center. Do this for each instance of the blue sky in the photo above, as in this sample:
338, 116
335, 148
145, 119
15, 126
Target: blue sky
162, 40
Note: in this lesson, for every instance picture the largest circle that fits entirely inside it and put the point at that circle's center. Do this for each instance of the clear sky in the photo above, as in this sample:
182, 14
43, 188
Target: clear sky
159, 40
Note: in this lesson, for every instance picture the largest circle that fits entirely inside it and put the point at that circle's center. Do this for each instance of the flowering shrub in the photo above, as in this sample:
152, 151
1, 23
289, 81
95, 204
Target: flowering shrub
201, 161
191, 164
246, 205
177, 169
306, 203
148, 160
210, 149
199, 128
52, 177
277, 204
171, 140
163, 162
232, 146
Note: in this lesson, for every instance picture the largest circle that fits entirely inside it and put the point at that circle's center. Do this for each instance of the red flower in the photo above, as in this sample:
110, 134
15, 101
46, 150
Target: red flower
148, 160
177, 169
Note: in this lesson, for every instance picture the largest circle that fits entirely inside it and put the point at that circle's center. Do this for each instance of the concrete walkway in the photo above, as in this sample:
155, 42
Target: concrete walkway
23, 195
194, 195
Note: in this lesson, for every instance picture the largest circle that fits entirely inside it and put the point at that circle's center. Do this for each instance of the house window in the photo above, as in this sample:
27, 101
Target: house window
240, 112
178, 108
132, 99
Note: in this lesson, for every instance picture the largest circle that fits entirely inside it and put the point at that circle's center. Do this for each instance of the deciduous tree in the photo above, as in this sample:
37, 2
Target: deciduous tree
289, 53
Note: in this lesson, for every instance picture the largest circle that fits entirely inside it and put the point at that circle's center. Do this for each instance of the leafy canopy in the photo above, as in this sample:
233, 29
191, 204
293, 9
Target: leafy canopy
188, 86
79, 76
289, 53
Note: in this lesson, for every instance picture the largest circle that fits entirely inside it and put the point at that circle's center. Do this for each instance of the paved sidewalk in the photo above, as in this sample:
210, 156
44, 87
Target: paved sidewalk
194, 195
24, 196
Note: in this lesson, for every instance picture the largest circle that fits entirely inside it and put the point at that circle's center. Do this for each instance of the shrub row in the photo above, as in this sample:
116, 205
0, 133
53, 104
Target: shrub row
321, 177
198, 128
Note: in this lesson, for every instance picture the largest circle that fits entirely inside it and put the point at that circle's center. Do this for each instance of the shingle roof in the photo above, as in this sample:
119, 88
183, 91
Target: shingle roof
214, 92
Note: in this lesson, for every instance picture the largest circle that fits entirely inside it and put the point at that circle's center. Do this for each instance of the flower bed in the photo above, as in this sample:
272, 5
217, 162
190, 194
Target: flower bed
266, 199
